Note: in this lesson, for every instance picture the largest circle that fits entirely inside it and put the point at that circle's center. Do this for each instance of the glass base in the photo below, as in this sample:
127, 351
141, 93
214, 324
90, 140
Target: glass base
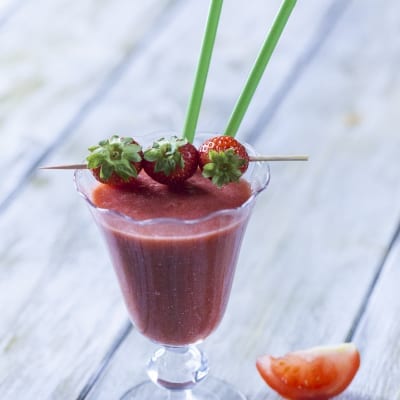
210, 389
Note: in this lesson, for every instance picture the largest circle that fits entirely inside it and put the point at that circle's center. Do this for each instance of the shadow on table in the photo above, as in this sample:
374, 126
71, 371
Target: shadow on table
345, 396
359, 396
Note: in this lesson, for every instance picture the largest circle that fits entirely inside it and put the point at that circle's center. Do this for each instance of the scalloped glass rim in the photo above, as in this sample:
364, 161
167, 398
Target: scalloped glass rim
78, 174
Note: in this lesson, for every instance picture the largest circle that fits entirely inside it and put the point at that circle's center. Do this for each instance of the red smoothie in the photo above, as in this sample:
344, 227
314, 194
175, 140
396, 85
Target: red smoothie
175, 274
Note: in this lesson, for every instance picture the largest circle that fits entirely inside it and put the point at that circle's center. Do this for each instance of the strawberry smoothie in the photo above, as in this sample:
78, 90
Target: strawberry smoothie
175, 254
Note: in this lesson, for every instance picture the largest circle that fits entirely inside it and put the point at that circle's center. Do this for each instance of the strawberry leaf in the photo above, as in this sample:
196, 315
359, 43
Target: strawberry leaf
132, 153
165, 155
224, 167
115, 155
105, 171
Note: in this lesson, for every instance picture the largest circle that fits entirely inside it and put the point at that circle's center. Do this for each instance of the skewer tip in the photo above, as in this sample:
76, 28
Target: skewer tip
65, 166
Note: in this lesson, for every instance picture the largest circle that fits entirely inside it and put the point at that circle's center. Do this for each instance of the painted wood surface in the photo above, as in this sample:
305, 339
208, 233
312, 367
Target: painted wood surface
7, 8
70, 257
378, 336
51, 74
326, 225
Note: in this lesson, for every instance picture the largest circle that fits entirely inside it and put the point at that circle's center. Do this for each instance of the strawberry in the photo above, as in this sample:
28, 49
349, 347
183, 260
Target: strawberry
115, 161
171, 161
223, 159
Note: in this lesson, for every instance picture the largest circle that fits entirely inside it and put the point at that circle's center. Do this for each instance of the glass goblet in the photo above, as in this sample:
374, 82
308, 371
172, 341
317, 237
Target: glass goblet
176, 276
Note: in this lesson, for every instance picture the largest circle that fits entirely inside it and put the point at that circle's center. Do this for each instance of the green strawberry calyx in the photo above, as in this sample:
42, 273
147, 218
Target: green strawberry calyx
224, 167
115, 155
165, 155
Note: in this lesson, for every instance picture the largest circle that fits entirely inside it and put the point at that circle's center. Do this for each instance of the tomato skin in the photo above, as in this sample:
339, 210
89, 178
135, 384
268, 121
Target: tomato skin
318, 373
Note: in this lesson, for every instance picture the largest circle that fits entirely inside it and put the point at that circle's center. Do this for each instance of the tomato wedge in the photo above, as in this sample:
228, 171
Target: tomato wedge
318, 373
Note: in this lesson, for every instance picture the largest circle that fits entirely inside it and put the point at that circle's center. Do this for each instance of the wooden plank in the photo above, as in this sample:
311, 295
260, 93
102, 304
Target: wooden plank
41, 273
325, 226
377, 337
49, 71
63, 307
6, 9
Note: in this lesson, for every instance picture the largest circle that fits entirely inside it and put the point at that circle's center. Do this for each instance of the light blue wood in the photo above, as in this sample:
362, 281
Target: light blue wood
57, 60
318, 235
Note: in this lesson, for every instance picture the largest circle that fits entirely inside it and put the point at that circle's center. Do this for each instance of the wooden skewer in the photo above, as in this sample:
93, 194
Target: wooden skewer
70, 166
279, 158
252, 159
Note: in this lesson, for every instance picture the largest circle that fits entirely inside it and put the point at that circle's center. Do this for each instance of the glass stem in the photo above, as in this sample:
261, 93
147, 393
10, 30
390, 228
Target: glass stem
178, 369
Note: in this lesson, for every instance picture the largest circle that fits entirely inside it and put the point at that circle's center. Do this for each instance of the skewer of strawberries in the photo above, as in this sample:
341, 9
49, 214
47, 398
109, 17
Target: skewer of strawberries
117, 161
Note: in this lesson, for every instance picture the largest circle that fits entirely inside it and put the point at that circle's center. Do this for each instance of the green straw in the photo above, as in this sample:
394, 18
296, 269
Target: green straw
259, 67
202, 70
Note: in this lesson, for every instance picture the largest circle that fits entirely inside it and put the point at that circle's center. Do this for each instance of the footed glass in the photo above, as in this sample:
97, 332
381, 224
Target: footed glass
176, 276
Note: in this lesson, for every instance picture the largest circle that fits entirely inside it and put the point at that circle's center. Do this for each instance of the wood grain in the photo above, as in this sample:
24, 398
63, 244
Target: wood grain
49, 72
7, 7
378, 336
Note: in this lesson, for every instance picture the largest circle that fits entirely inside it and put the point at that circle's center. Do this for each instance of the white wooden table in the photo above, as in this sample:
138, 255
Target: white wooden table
320, 262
